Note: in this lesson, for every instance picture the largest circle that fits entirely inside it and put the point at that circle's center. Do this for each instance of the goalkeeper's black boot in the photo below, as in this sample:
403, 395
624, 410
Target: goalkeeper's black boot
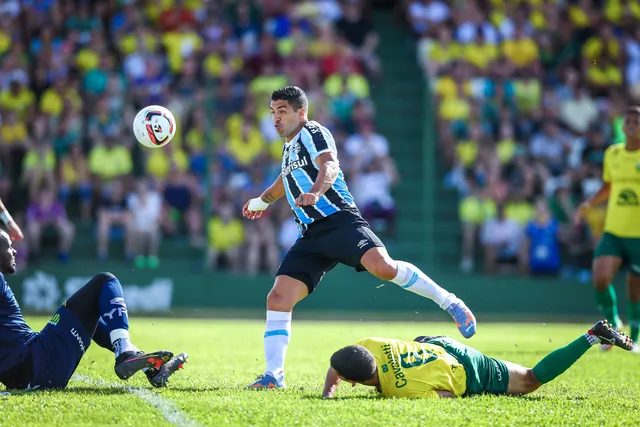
160, 377
130, 362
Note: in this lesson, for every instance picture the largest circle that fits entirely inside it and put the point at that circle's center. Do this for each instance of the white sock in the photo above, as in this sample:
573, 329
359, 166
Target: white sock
592, 339
276, 339
121, 341
411, 278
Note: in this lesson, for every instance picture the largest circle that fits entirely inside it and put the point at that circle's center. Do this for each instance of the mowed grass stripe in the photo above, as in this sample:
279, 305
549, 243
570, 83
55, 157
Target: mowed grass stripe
168, 410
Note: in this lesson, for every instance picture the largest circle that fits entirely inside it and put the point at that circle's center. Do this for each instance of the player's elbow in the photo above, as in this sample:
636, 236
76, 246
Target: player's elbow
530, 382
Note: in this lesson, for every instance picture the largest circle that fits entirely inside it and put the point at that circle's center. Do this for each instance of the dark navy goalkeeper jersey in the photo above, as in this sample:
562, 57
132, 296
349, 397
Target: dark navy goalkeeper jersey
14, 332
299, 172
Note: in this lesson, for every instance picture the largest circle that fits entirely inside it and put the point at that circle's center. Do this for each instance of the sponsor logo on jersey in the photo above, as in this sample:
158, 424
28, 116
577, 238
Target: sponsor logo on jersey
297, 164
55, 319
401, 381
78, 338
627, 197
362, 243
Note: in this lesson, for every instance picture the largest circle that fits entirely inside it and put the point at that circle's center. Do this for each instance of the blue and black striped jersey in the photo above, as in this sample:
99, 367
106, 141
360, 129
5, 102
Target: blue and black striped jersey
299, 172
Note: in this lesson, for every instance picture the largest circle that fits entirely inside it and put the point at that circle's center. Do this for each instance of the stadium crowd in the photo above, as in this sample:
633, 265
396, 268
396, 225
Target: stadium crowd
528, 94
74, 73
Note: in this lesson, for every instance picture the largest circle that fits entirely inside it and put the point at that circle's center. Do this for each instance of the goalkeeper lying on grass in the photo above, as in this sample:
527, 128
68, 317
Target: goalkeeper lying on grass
443, 367
47, 359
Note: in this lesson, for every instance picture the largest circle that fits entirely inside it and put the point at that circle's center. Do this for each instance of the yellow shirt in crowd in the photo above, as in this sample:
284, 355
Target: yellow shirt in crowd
225, 235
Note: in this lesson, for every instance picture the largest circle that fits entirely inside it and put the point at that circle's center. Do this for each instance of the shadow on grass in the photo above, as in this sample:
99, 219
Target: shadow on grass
342, 398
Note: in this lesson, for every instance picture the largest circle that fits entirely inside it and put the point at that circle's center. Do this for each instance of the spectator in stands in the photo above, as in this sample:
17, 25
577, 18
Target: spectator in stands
371, 188
475, 209
109, 160
262, 246
543, 241
144, 207
182, 205
38, 166
113, 211
502, 240
225, 239
44, 212
357, 30
74, 180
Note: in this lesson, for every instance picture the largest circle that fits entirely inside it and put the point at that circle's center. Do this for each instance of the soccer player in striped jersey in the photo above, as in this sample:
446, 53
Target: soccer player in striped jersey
332, 231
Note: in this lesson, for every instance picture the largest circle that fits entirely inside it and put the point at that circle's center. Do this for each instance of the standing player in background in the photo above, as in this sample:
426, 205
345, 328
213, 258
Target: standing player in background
331, 231
47, 359
620, 243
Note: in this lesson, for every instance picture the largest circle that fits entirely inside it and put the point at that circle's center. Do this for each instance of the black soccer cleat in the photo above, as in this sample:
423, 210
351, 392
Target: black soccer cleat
160, 377
130, 362
608, 335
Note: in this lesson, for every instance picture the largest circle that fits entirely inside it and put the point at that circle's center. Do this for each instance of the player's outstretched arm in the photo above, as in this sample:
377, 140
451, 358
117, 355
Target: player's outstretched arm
327, 175
331, 382
600, 197
254, 208
12, 228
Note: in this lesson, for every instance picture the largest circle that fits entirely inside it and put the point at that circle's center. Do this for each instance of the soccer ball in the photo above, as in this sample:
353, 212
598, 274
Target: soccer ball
154, 126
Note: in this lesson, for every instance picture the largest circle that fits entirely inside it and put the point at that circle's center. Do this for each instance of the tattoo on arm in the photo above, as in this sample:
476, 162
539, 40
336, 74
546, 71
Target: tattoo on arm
326, 177
268, 197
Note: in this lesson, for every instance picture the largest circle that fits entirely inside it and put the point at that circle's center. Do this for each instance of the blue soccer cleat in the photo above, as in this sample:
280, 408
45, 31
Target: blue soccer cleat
266, 381
464, 318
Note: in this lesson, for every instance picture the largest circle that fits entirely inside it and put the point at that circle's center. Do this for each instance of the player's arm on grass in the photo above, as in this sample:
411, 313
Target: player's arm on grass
600, 197
253, 208
329, 169
442, 393
331, 382
12, 228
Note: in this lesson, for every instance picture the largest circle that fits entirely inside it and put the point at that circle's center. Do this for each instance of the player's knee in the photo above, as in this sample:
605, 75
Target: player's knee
102, 278
383, 269
601, 278
279, 301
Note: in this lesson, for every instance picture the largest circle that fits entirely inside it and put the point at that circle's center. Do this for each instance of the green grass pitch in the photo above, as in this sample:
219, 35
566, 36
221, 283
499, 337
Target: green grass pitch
225, 355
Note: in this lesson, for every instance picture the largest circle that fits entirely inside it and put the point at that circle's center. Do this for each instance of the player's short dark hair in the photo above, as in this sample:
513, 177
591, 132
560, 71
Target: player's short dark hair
293, 95
633, 109
354, 363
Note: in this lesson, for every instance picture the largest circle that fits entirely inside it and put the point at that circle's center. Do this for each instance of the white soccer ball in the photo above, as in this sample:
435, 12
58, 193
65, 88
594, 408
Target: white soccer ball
154, 126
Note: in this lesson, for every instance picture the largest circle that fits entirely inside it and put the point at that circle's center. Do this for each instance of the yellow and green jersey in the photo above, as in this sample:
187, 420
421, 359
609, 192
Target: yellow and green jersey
622, 171
413, 369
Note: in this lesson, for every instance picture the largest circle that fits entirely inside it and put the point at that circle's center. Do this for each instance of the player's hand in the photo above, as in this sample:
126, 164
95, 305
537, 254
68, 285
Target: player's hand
14, 231
253, 209
580, 212
307, 199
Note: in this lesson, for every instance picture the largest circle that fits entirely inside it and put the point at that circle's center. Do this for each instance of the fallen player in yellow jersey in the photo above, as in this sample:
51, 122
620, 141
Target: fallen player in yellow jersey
443, 367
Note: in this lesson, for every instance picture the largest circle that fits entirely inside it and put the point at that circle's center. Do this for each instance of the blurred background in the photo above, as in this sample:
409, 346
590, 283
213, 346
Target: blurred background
468, 132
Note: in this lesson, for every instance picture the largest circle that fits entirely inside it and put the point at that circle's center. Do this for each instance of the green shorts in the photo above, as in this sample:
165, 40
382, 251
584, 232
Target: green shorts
484, 374
626, 248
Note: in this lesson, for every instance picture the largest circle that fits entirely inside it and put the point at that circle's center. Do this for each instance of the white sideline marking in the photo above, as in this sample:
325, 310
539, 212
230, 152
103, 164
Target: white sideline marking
169, 411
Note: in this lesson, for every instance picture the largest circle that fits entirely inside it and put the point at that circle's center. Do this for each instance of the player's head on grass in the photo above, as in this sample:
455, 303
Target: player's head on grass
289, 107
632, 125
7, 254
354, 363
